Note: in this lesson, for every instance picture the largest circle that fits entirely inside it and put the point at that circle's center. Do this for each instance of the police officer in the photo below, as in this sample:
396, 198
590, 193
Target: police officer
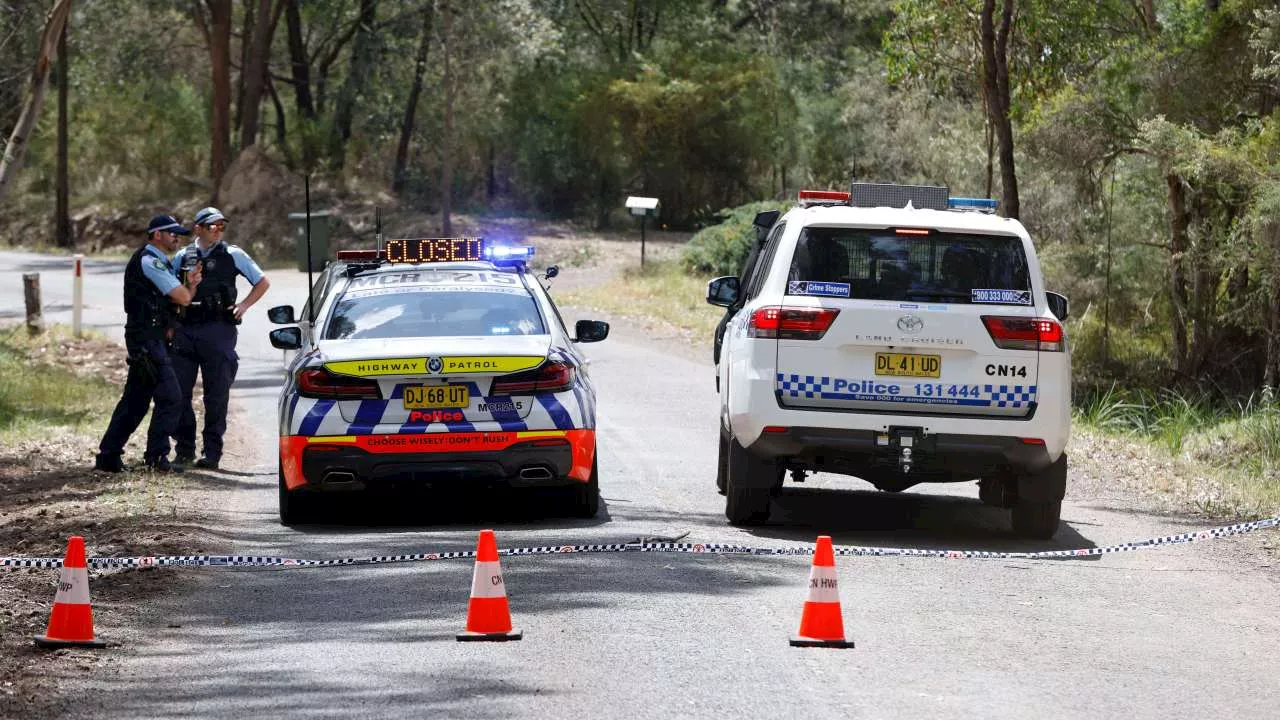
206, 338
151, 289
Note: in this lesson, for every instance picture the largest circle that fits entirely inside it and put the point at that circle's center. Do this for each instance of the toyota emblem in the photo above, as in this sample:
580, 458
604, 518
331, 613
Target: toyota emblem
910, 324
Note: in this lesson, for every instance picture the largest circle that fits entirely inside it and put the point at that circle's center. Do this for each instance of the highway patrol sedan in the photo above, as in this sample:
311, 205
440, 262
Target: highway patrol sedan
434, 362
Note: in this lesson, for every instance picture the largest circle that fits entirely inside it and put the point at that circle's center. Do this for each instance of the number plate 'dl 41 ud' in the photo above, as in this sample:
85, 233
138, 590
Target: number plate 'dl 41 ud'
418, 397
909, 365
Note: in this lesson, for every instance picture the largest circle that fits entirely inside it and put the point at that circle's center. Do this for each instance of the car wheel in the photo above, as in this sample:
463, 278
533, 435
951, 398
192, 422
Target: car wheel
749, 487
584, 498
295, 508
722, 463
1037, 520
1038, 508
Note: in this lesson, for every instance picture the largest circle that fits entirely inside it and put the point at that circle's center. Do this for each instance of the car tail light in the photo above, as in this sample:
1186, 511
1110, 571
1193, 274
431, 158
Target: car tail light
552, 377
320, 383
791, 323
1018, 333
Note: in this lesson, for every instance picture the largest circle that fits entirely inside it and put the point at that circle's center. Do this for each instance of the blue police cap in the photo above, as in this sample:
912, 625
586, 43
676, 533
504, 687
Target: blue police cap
166, 223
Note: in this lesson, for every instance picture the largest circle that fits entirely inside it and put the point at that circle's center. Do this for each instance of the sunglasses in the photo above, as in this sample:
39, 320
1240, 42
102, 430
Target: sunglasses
217, 225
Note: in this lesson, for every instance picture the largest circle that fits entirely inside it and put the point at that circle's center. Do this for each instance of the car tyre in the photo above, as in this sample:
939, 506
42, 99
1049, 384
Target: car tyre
722, 463
295, 507
1036, 520
584, 498
750, 486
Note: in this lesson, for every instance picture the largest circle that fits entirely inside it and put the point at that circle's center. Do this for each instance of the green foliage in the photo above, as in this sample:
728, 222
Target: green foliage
721, 249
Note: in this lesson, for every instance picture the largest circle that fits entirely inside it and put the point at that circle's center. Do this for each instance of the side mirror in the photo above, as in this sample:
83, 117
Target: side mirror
281, 315
765, 220
723, 291
289, 338
551, 272
1057, 304
590, 330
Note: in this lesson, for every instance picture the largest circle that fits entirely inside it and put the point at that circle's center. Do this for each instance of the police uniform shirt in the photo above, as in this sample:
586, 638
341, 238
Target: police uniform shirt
157, 268
244, 264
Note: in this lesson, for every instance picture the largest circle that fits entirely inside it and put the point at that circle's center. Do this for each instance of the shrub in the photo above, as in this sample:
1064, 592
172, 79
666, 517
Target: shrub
721, 249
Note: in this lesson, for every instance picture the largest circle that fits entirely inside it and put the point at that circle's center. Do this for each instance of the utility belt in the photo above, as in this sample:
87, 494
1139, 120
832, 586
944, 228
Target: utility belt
211, 308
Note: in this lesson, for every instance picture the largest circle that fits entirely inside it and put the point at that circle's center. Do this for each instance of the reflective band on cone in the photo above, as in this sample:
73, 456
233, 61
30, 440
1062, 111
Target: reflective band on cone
821, 625
71, 622
488, 617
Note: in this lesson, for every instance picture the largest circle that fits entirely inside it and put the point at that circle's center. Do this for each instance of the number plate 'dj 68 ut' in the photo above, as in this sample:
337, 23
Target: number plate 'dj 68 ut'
418, 397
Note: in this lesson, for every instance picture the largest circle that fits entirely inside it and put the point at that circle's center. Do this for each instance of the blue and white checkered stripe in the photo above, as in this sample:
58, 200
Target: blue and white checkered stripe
806, 386
1014, 396
823, 387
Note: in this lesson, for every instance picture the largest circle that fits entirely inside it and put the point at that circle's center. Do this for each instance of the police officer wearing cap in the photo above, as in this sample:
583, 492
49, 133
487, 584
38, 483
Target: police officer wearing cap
151, 290
206, 338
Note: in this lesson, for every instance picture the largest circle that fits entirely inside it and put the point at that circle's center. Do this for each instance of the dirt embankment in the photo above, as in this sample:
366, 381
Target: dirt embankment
49, 492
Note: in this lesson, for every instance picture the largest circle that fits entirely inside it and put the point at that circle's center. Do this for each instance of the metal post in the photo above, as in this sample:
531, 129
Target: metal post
77, 293
31, 293
643, 218
311, 310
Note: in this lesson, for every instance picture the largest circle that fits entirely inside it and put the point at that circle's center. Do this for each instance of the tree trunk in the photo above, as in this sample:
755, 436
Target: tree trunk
246, 32
446, 143
282, 131
411, 106
62, 213
1179, 220
995, 81
361, 64
255, 74
220, 61
1273, 316
16, 150
299, 61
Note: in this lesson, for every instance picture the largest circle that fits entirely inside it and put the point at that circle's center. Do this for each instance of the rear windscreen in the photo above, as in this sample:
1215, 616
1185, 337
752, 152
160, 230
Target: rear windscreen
887, 265
434, 312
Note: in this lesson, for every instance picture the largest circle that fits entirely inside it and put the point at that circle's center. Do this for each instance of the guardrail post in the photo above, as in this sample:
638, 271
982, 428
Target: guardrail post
31, 293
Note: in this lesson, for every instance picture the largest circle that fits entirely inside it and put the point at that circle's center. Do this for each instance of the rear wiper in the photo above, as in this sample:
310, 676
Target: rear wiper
952, 294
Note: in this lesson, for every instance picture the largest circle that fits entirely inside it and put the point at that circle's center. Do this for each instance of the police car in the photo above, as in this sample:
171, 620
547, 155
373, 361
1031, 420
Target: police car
429, 362
898, 335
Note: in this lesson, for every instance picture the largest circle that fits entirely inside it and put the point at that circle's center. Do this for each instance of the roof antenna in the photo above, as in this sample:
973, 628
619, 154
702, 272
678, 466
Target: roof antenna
377, 228
311, 306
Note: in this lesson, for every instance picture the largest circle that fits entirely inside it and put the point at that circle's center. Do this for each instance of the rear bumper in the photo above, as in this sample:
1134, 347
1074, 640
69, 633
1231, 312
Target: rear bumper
518, 459
860, 451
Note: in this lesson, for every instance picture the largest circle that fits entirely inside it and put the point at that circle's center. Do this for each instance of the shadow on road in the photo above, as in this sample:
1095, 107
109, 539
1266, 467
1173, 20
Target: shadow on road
903, 520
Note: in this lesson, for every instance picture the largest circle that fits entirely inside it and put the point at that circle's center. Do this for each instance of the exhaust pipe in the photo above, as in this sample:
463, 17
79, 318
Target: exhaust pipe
339, 477
536, 472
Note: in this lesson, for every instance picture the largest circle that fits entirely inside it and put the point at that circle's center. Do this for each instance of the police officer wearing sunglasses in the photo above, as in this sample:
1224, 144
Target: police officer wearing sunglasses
206, 338
151, 292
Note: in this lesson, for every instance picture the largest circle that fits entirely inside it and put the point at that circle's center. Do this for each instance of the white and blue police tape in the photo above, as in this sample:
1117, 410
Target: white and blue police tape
643, 545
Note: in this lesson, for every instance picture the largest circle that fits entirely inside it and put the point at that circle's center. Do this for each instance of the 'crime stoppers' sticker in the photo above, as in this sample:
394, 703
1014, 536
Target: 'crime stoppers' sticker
1001, 297
814, 287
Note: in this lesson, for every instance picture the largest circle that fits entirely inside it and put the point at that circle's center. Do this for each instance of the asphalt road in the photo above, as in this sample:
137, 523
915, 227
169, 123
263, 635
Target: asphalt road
1182, 632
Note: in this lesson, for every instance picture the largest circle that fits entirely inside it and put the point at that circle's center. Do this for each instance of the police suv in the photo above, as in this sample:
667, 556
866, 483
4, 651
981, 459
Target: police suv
898, 335
429, 362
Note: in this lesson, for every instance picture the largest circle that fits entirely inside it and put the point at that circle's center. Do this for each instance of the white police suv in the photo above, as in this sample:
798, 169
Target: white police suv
431, 362
901, 336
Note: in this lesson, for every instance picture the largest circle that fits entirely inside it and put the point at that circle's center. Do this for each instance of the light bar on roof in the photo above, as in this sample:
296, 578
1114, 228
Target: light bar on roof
810, 198
919, 197
979, 204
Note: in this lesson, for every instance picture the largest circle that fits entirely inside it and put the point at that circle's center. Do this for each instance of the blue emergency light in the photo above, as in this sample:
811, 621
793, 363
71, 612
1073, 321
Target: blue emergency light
965, 203
507, 254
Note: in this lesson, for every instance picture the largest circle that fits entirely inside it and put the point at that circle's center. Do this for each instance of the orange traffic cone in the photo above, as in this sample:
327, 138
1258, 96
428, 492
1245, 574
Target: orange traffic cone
71, 623
821, 624
488, 617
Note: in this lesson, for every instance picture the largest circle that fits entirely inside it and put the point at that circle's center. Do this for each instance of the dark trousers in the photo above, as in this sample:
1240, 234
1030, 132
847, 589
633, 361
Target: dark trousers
209, 349
151, 377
